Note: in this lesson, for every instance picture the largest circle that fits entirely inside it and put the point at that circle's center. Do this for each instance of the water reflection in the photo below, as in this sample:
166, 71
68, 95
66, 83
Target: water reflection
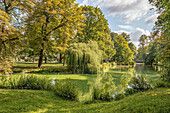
123, 75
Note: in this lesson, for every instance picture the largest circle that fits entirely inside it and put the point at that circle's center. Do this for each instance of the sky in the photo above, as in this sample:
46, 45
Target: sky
133, 17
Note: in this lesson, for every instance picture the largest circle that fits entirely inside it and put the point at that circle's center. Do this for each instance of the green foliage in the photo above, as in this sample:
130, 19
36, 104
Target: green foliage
125, 79
139, 83
130, 91
161, 33
10, 30
119, 96
126, 36
5, 66
143, 48
162, 83
149, 59
96, 25
124, 55
49, 20
133, 48
96, 29
103, 88
26, 82
143, 41
84, 58
66, 89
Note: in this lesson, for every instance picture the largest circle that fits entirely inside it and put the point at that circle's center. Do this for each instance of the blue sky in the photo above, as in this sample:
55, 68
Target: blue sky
131, 16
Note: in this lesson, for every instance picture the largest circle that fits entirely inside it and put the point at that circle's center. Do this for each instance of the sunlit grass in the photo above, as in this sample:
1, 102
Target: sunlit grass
30, 64
33, 101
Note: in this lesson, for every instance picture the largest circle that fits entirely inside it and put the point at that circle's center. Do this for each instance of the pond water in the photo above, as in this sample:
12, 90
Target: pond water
151, 74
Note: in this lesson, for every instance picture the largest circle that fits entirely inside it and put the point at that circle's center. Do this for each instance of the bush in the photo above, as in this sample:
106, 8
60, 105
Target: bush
26, 82
162, 83
119, 96
66, 89
130, 91
139, 83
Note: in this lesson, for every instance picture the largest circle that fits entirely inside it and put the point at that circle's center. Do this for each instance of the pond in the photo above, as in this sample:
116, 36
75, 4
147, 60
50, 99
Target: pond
151, 74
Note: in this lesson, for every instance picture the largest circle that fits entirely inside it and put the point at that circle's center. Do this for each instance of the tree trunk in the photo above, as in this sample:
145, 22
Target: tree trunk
33, 60
64, 60
45, 59
60, 59
41, 57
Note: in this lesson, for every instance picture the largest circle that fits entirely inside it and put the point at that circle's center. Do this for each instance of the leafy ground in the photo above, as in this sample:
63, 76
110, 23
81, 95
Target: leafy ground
34, 101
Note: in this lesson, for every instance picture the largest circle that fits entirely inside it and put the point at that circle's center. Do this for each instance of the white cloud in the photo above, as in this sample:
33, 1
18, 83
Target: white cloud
136, 43
152, 18
136, 35
121, 31
129, 9
125, 26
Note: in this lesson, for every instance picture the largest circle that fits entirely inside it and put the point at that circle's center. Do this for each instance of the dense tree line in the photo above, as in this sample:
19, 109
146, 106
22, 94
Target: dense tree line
45, 28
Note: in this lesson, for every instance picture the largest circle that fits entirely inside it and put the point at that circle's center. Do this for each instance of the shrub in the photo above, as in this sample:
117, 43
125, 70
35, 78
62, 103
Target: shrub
162, 83
66, 89
119, 96
139, 83
26, 82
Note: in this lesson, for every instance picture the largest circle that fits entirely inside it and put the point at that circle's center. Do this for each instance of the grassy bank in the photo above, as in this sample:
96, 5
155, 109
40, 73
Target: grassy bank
31, 101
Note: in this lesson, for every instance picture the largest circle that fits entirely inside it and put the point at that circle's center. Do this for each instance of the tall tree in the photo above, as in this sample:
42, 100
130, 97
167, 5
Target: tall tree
126, 36
152, 53
162, 26
143, 41
49, 16
133, 48
84, 57
96, 29
113, 35
11, 12
123, 52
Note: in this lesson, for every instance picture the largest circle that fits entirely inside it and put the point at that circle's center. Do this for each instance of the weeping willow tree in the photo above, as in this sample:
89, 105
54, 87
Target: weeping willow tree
84, 57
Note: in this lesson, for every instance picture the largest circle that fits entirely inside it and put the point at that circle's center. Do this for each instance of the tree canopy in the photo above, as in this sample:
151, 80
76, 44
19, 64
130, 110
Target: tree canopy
96, 29
162, 26
49, 16
124, 54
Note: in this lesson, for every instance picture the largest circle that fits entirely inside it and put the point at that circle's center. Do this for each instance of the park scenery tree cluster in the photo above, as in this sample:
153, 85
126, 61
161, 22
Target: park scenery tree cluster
66, 49
47, 28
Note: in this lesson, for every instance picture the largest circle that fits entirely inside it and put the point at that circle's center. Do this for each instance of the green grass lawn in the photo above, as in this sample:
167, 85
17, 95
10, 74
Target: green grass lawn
34, 101
30, 64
